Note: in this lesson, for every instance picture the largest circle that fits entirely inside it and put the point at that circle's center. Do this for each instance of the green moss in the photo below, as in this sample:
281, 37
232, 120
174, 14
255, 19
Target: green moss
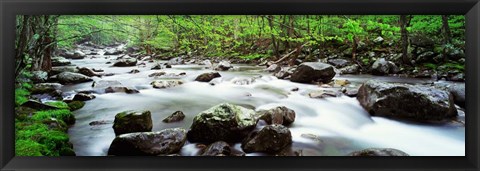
29, 148
21, 96
52, 140
75, 105
60, 114
452, 65
430, 66
58, 104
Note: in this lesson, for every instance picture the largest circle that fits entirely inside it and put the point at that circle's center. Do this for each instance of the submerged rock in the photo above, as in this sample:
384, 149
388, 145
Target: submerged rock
224, 122
132, 121
72, 78
406, 101
83, 97
167, 141
87, 71
313, 71
105, 83
284, 73
219, 148
116, 89
270, 139
175, 117
156, 74
207, 77
166, 83
280, 115
379, 152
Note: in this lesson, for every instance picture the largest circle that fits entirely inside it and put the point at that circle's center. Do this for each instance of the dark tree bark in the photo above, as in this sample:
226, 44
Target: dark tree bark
275, 44
404, 35
446, 29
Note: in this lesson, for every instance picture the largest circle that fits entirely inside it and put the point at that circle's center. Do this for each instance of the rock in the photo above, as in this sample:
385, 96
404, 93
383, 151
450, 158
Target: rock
168, 66
60, 69
87, 72
379, 152
207, 62
279, 115
132, 121
60, 61
352, 69
116, 89
224, 122
175, 117
207, 77
217, 148
338, 63
457, 90
322, 94
166, 83
421, 41
105, 83
38, 105
243, 81
75, 105
83, 97
313, 71
176, 61
270, 139
340, 82
113, 52
41, 88
157, 66
459, 77
134, 71
384, 67
284, 73
378, 40
273, 68
425, 57
126, 62
351, 93
72, 78
167, 141
223, 66
294, 89
133, 49
406, 101
39, 76
74, 55
102, 122
156, 74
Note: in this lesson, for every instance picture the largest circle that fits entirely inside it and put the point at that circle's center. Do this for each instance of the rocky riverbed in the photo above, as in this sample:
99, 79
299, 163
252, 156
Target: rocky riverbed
135, 105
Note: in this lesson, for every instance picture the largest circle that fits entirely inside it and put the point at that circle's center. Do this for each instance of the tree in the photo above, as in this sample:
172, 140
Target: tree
404, 22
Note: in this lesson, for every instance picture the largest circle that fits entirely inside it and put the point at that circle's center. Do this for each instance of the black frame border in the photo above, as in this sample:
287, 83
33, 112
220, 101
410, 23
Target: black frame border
10, 8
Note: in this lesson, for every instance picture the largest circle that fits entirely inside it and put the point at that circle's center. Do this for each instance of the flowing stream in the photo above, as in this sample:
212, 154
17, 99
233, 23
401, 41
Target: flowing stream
332, 126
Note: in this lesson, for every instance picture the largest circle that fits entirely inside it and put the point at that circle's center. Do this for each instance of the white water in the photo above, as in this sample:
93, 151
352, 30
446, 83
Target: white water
340, 123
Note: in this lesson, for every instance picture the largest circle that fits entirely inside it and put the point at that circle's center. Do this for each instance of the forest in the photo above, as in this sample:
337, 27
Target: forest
239, 85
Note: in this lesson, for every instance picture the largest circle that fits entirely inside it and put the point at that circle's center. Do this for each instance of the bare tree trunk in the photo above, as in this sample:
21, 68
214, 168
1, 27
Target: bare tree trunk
274, 41
446, 29
404, 37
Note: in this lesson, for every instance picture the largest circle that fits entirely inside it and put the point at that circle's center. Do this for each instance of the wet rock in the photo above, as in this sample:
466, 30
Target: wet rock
83, 97
39, 76
157, 66
134, 71
41, 88
175, 117
425, 57
176, 61
97, 70
207, 62
60, 61
243, 81
113, 52
224, 122
72, 78
340, 82
270, 139
384, 67
33, 104
284, 73
74, 55
223, 66
279, 115
60, 69
207, 77
322, 94
132, 121
379, 152
352, 69
416, 102
75, 105
167, 141
125, 62
351, 93
338, 63
313, 71
273, 68
454, 76
219, 148
116, 89
156, 74
105, 83
102, 122
87, 72
457, 90
166, 83
294, 89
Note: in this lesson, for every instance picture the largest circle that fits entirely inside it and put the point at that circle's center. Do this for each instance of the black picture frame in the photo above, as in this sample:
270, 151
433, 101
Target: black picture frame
10, 8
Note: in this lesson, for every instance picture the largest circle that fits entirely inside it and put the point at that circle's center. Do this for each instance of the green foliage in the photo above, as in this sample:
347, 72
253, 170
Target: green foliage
254, 56
454, 66
58, 104
21, 96
29, 148
75, 105
430, 66
60, 114
52, 140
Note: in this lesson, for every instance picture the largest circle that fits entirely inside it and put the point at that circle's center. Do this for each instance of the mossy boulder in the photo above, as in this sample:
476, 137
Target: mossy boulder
75, 105
168, 141
223, 122
132, 121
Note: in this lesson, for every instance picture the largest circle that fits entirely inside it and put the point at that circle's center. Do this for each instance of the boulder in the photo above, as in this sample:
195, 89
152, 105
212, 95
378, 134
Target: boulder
378, 152
280, 115
313, 71
384, 67
113, 52
39, 76
167, 141
60, 61
116, 89
166, 83
223, 66
417, 102
378, 40
83, 97
60, 69
174, 117
72, 78
351, 69
125, 62
338, 63
270, 139
457, 90
134, 71
33, 104
156, 74
105, 83
322, 94
88, 72
421, 41
207, 62
219, 148
132, 121
176, 61
284, 73
273, 68
41, 88
223, 122
207, 77
157, 66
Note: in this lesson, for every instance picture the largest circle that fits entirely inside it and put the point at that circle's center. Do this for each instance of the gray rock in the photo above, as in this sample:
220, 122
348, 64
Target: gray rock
132, 121
270, 139
125, 62
60, 61
207, 77
313, 71
174, 117
166, 83
279, 115
72, 78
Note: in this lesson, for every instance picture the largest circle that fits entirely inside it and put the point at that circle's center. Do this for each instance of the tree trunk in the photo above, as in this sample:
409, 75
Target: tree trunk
404, 37
446, 29
275, 44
